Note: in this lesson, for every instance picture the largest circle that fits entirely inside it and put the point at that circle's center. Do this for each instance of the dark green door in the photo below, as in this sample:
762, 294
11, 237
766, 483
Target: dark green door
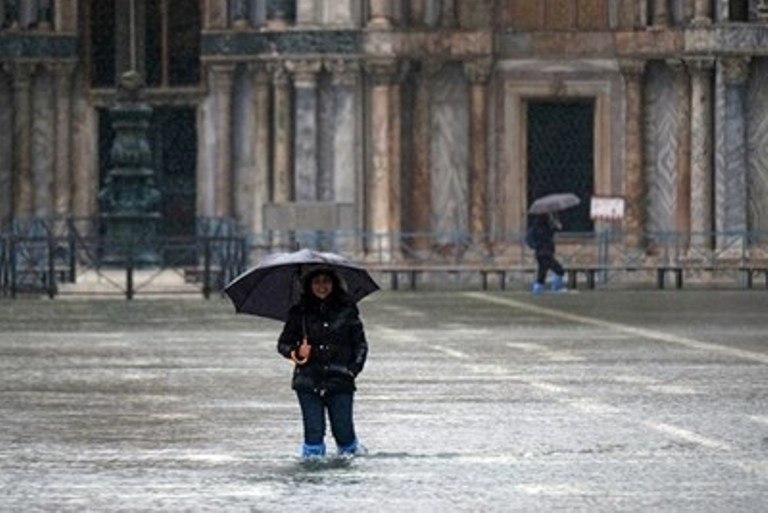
561, 155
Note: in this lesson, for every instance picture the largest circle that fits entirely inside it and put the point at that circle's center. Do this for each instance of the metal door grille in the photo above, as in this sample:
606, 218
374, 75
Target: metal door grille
561, 155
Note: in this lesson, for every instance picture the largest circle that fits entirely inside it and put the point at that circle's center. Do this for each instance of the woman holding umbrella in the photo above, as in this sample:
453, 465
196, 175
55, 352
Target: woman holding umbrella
541, 237
324, 337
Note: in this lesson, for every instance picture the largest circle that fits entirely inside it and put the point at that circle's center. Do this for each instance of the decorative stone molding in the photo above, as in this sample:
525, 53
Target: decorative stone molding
222, 76
735, 70
253, 43
343, 72
761, 9
304, 72
478, 71
26, 46
260, 72
382, 71
379, 18
698, 65
452, 44
632, 68
702, 13
279, 73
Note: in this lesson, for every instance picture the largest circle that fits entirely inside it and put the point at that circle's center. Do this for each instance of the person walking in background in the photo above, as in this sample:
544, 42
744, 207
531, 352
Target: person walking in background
325, 339
541, 238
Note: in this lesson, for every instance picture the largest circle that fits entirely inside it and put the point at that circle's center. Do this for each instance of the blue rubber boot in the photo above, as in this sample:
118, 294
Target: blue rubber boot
353, 449
313, 451
538, 289
558, 285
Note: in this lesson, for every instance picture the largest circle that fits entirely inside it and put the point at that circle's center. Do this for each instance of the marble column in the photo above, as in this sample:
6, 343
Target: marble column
625, 14
702, 12
338, 13
380, 191
379, 15
305, 144
260, 142
448, 17
277, 15
701, 150
22, 136
634, 185
65, 15
731, 208
43, 143
421, 191
418, 13
282, 181
722, 10
84, 152
687, 8
396, 146
62, 183
478, 73
683, 164
660, 13
221, 82
215, 14
760, 10
344, 79
241, 14
7, 173
306, 12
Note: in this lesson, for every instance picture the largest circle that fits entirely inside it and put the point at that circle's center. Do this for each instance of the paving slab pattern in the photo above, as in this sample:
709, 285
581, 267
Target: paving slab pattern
471, 401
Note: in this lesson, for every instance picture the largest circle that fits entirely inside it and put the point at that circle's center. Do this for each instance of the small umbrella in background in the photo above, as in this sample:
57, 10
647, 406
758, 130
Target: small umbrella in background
554, 203
271, 287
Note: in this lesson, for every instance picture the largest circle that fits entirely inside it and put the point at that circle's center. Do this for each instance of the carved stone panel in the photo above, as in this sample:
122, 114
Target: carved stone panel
555, 14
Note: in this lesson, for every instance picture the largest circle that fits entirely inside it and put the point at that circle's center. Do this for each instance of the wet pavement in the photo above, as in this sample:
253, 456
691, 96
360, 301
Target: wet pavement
471, 401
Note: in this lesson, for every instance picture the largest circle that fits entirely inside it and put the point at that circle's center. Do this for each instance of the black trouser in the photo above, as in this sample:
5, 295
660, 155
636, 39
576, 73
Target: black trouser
546, 262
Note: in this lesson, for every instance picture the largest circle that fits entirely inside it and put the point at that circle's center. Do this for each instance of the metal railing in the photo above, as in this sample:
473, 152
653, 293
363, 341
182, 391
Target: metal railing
66, 256
60, 256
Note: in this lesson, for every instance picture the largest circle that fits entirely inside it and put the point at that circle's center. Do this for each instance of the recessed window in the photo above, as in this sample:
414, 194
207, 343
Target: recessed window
738, 10
160, 38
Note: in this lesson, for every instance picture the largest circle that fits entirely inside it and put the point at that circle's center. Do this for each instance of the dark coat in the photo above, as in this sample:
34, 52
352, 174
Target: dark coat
542, 235
339, 347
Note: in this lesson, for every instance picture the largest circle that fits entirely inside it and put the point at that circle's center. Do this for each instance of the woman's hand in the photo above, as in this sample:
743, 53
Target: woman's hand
304, 350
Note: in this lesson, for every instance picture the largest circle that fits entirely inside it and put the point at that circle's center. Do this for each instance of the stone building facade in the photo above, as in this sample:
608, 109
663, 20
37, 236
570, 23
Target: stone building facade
416, 116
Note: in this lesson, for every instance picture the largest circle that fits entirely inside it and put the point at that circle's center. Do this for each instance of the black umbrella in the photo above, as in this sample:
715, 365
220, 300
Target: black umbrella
271, 287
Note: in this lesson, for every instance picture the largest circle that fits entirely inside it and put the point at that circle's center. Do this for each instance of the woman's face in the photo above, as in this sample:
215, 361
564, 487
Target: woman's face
322, 286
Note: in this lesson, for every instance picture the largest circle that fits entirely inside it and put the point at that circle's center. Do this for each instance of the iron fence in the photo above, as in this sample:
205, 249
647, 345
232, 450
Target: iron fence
65, 256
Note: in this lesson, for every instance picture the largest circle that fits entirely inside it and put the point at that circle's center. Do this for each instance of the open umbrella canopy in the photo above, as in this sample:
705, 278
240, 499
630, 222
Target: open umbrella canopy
274, 285
554, 203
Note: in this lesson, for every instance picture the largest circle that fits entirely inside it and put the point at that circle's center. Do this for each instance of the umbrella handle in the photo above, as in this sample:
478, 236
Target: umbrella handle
298, 361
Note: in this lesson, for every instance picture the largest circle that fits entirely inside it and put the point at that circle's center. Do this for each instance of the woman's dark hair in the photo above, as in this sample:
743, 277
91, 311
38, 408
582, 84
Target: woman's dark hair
338, 285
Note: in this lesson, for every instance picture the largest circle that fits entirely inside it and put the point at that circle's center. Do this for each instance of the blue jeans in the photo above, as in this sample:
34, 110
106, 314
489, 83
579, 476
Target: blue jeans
339, 407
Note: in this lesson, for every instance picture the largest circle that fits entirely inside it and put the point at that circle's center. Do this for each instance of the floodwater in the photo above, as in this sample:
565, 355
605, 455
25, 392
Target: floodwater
609, 401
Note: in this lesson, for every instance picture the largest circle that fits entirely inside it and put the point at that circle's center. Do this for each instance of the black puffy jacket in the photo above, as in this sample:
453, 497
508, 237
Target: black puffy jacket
542, 235
339, 347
